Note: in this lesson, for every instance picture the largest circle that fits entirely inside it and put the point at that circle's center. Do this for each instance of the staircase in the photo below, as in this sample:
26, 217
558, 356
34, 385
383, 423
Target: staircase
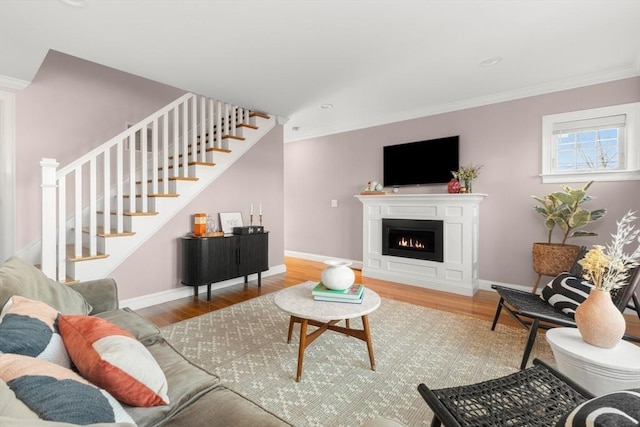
99, 209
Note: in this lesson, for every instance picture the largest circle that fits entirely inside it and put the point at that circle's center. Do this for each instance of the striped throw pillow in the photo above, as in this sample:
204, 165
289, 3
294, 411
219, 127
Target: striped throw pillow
566, 292
617, 409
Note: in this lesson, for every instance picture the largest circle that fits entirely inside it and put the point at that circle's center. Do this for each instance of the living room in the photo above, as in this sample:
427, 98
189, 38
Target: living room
304, 182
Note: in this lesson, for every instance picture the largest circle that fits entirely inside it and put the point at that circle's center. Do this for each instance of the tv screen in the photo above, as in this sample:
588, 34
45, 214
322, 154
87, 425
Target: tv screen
422, 162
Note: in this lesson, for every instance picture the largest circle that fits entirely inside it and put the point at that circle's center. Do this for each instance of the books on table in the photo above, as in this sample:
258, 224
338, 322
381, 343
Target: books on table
352, 294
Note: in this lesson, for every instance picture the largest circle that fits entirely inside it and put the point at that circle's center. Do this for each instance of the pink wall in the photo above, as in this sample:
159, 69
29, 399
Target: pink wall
504, 137
74, 105
256, 178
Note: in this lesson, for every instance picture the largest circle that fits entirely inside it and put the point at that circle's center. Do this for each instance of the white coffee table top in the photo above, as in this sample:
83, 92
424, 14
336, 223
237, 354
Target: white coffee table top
298, 301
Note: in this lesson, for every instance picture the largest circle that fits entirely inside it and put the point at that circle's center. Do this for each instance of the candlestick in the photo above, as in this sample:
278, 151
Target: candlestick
251, 218
260, 208
260, 219
251, 211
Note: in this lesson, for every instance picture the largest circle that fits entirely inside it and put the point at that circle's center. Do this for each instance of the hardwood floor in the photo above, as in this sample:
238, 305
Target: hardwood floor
482, 305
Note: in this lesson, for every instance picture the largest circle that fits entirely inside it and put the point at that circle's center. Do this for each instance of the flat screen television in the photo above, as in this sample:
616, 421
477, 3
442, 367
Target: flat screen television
421, 162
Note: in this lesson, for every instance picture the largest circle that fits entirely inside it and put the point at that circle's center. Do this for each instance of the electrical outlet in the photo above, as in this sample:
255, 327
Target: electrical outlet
334, 203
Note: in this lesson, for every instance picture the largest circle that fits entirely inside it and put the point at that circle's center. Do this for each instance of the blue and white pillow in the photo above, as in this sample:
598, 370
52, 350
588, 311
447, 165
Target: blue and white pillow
30, 328
566, 292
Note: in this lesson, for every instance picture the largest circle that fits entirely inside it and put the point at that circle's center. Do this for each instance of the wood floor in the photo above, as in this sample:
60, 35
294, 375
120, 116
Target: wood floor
482, 305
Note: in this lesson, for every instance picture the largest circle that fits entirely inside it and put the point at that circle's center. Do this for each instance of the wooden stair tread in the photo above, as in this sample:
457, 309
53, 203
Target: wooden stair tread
68, 280
113, 233
126, 196
127, 213
259, 114
85, 254
201, 163
237, 138
171, 178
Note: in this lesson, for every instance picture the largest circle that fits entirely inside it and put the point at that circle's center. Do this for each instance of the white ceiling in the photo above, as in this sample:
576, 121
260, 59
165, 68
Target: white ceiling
376, 61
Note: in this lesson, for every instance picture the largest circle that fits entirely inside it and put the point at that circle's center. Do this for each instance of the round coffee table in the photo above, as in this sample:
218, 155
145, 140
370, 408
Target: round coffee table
299, 303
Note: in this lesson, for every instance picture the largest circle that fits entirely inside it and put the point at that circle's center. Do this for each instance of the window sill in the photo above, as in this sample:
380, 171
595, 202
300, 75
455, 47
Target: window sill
559, 178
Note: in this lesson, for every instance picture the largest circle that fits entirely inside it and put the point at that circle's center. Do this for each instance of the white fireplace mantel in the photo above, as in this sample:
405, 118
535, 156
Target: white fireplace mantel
460, 213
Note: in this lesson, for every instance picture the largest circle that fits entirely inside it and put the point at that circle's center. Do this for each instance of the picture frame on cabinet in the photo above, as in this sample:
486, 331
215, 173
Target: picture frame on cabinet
228, 220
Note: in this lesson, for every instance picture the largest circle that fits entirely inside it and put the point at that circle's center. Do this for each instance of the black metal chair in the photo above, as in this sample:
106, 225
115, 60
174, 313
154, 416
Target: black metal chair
537, 396
532, 313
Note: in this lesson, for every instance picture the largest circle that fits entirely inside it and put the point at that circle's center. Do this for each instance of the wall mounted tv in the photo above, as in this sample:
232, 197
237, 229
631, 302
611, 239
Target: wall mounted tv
421, 162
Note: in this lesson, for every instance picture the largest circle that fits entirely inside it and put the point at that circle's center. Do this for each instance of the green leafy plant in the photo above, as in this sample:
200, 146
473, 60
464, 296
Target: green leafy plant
564, 210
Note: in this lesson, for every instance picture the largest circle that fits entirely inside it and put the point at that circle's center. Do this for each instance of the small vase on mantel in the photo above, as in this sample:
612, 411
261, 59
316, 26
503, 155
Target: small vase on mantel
467, 185
599, 321
453, 187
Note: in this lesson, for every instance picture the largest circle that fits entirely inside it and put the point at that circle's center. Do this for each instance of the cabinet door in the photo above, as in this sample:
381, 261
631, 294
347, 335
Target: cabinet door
223, 259
254, 253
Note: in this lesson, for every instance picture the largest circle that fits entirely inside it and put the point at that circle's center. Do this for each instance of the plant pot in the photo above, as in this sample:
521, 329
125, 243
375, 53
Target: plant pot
599, 321
338, 275
551, 259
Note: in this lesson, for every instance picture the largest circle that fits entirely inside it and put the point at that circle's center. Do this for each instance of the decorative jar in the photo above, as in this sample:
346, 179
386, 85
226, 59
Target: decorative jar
453, 186
599, 321
338, 275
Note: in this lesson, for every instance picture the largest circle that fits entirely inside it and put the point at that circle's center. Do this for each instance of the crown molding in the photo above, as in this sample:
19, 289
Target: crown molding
535, 90
13, 83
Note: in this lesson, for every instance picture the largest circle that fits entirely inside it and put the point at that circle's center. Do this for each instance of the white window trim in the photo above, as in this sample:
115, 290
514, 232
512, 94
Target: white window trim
631, 170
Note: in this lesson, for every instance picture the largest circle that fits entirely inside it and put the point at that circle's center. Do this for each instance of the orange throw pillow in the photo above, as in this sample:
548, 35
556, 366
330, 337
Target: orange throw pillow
111, 358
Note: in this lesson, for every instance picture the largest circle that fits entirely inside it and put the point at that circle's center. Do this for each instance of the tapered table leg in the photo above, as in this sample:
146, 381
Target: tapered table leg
303, 345
367, 336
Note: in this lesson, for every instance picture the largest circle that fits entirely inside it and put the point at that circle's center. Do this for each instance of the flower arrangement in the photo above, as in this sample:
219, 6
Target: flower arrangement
608, 267
467, 173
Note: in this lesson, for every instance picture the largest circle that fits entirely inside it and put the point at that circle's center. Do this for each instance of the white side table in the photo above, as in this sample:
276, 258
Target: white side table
599, 370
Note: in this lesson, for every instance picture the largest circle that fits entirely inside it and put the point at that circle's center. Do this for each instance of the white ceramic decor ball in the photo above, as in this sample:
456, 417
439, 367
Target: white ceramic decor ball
338, 275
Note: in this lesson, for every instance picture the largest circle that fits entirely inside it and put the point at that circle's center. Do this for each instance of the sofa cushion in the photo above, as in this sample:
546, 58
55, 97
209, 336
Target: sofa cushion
187, 383
30, 328
18, 277
144, 331
113, 359
566, 292
616, 409
58, 394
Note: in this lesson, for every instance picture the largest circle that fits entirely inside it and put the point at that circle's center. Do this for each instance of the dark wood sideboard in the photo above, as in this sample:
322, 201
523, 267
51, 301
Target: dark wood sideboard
207, 260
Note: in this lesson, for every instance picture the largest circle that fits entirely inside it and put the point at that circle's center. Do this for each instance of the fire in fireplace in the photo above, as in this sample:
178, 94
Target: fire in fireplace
413, 238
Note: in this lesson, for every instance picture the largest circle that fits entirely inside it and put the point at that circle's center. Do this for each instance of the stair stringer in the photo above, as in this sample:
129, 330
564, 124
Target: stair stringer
119, 249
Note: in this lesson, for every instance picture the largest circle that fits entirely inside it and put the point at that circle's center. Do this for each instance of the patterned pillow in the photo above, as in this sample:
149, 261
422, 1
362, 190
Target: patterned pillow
58, 394
566, 292
113, 359
30, 328
617, 409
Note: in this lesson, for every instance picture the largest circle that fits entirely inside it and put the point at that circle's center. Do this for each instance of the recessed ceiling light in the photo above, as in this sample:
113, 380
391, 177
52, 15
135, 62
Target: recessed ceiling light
491, 61
74, 3
326, 106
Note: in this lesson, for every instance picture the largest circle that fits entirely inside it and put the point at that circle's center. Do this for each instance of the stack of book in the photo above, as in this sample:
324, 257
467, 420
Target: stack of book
352, 295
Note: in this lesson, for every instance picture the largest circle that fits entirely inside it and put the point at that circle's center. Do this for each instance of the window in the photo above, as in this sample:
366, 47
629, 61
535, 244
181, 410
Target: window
601, 144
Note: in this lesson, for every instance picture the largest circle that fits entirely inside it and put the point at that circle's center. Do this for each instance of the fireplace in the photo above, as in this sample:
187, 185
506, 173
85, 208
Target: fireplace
413, 238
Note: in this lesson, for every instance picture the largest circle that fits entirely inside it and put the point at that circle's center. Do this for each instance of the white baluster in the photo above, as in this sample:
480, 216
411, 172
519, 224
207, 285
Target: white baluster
218, 124
144, 185
165, 152
120, 186
93, 244
61, 252
48, 236
77, 232
210, 143
154, 157
185, 139
202, 130
176, 142
106, 190
234, 111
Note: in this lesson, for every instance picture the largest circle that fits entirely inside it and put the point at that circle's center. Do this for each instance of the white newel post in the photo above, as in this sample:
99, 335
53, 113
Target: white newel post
48, 240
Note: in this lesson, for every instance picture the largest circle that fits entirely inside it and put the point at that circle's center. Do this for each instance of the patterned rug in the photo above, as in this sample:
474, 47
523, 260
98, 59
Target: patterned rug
246, 345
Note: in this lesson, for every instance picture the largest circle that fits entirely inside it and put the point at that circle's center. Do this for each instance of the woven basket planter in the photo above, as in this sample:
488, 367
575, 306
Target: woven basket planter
551, 259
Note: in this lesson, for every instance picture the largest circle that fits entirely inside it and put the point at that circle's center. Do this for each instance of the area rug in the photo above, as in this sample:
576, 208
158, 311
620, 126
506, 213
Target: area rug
246, 345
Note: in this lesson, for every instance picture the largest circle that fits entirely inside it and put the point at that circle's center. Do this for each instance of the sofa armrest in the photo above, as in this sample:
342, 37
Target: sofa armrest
102, 294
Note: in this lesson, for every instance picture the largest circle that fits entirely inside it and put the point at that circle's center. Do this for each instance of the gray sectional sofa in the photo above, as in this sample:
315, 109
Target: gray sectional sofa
197, 397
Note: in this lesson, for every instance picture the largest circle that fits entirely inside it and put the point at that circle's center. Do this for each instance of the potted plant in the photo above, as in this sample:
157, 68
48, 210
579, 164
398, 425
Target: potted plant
562, 209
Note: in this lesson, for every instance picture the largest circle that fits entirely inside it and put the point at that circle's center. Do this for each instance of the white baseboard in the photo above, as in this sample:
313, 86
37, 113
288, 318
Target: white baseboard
321, 258
187, 291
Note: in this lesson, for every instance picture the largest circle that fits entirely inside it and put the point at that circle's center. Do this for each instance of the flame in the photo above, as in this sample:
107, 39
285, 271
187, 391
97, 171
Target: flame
403, 242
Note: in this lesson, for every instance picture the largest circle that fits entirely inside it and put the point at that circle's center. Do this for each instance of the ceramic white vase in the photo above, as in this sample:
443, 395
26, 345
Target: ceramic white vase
338, 275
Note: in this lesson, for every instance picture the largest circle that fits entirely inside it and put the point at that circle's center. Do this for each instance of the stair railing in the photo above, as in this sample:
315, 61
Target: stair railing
135, 164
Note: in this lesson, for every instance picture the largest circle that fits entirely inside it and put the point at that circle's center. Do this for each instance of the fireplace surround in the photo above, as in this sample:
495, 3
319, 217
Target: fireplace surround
460, 216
